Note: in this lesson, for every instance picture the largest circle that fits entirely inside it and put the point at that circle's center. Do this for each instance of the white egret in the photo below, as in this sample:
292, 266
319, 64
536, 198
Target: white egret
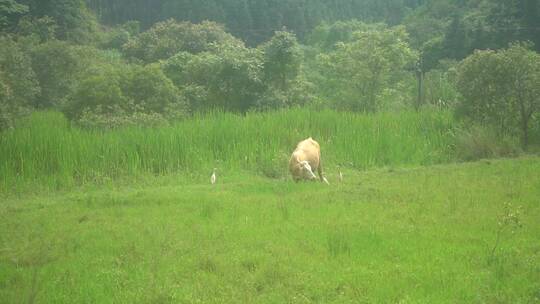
213, 178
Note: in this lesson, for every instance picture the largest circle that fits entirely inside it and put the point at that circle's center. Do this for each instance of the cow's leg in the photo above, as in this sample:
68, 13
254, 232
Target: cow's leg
320, 172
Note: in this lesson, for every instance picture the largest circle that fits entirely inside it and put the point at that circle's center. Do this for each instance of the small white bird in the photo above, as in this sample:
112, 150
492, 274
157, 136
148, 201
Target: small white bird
213, 177
340, 176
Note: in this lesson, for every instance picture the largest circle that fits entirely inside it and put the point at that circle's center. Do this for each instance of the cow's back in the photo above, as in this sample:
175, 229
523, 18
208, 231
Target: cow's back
310, 151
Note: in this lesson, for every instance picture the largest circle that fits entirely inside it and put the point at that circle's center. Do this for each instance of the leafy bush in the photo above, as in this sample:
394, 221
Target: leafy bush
327, 36
116, 116
478, 142
236, 78
115, 38
18, 84
440, 86
60, 67
75, 22
230, 80
299, 94
152, 91
101, 93
370, 66
115, 96
500, 88
43, 29
9, 112
282, 59
167, 38
10, 13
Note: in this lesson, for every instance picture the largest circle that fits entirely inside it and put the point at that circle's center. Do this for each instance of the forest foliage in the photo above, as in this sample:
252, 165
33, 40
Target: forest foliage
111, 63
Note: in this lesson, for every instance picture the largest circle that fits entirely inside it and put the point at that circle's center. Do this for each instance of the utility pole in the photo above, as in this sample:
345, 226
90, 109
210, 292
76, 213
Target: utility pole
420, 77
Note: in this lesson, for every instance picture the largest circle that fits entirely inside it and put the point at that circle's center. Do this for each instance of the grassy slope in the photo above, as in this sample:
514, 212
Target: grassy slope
417, 235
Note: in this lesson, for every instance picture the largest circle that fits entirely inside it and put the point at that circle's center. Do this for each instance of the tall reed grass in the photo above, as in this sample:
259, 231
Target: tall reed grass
46, 151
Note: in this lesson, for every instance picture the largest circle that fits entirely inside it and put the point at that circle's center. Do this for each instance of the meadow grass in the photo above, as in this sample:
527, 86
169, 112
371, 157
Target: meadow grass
45, 151
394, 235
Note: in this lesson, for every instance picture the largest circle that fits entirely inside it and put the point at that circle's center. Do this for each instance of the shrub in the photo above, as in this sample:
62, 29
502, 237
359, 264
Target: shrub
101, 93
74, 21
167, 38
230, 80
440, 88
115, 117
115, 38
115, 96
18, 84
478, 142
152, 91
359, 73
58, 68
327, 36
500, 88
44, 28
282, 59
298, 94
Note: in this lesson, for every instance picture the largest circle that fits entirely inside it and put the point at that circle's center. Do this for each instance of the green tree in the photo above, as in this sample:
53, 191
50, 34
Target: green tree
229, 78
115, 95
361, 72
427, 22
457, 43
10, 13
115, 38
165, 39
501, 88
100, 93
43, 29
153, 92
432, 51
530, 10
18, 84
327, 36
282, 60
75, 22
440, 85
255, 21
59, 67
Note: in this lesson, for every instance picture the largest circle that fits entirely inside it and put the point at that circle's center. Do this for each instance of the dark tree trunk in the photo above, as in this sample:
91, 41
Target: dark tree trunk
525, 130
420, 99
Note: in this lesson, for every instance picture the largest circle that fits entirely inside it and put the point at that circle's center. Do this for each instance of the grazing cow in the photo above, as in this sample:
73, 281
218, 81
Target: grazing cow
305, 159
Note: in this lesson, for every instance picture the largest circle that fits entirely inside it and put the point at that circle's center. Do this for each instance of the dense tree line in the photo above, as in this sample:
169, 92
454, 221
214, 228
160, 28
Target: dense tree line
254, 20
467, 24
453, 28
157, 61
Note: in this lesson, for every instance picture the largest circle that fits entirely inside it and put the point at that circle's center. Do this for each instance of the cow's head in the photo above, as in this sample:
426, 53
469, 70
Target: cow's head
307, 173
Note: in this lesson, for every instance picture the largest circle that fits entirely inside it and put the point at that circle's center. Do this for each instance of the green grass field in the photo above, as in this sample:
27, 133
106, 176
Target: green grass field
396, 235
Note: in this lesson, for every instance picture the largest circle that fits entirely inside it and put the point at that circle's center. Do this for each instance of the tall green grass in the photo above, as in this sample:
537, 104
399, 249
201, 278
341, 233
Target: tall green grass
46, 151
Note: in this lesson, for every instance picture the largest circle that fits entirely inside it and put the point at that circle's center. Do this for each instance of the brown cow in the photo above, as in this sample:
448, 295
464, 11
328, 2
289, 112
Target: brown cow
305, 159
